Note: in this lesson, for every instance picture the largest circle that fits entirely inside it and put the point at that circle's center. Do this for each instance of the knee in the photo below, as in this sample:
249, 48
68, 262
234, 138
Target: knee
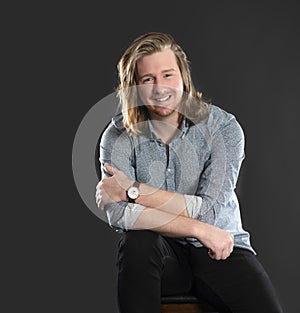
139, 246
137, 241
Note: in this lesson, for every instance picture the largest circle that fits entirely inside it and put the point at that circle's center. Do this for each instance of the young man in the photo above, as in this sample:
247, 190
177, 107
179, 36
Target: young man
170, 164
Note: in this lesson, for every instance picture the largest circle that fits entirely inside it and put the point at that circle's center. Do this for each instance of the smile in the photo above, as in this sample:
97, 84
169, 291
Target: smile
166, 98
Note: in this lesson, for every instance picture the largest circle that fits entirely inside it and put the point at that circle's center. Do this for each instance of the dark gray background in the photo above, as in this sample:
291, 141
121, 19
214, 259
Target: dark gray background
244, 56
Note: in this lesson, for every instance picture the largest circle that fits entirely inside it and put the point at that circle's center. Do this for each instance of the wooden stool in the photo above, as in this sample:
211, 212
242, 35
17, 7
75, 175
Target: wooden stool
185, 304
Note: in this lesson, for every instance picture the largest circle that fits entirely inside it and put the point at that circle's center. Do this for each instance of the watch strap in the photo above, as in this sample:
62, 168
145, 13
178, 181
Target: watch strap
136, 184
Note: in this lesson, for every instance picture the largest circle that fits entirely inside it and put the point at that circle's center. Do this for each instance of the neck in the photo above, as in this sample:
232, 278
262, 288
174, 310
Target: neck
166, 127
173, 119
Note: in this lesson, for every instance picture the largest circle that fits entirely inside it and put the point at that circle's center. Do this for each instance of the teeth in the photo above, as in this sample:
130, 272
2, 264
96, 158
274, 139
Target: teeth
162, 99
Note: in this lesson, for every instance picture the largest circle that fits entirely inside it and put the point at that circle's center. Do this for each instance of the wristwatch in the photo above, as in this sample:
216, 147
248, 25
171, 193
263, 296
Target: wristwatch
133, 192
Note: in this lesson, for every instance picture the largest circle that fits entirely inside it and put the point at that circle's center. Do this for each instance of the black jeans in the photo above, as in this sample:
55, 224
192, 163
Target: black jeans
151, 265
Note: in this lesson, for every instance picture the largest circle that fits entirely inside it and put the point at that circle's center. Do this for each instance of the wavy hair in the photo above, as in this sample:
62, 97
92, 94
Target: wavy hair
193, 106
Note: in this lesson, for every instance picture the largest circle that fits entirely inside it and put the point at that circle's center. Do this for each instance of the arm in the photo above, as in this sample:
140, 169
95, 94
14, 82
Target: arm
172, 224
163, 200
220, 175
219, 242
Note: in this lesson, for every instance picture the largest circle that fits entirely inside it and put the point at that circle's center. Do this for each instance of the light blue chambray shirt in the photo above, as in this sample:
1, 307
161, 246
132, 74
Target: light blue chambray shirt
203, 164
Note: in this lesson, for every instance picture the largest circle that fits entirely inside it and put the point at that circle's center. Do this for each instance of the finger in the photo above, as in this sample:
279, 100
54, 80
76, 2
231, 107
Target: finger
226, 254
218, 255
99, 184
109, 168
211, 254
98, 201
97, 192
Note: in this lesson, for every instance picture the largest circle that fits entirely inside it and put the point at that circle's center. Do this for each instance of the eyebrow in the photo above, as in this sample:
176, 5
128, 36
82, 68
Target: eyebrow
164, 71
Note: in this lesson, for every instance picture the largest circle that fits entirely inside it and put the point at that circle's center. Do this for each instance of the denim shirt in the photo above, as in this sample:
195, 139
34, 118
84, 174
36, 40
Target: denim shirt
202, 163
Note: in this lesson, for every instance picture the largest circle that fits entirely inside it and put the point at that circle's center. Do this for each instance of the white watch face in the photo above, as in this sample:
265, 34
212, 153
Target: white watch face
133, 193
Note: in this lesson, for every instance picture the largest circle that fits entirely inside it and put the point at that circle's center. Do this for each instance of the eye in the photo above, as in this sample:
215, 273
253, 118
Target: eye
168, 75
147, 80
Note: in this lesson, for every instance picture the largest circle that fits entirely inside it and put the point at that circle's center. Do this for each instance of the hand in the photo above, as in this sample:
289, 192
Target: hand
218, 241
112, 189
102, 198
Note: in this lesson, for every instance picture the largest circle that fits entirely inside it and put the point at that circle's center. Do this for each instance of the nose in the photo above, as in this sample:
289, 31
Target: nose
158, 88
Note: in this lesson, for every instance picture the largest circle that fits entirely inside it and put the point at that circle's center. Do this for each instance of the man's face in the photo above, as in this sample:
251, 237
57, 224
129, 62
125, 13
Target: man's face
160, 83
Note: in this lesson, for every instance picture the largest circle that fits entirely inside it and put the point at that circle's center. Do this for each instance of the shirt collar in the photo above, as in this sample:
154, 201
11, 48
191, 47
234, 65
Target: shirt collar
184, 127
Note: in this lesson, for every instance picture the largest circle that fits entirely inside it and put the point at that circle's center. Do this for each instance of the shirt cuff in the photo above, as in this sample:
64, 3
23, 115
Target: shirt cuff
131, 214
193, 205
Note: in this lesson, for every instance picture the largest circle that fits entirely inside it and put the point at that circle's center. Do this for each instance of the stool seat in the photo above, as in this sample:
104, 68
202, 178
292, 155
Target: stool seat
186, 298
185, 303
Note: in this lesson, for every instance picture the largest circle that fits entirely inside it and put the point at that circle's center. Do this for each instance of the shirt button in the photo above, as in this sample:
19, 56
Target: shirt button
169, 170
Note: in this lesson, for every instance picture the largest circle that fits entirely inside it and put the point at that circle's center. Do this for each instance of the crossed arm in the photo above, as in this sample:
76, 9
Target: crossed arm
165, 212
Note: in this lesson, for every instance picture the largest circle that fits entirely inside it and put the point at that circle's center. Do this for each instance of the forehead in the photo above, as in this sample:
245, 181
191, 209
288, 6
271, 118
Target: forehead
156, 62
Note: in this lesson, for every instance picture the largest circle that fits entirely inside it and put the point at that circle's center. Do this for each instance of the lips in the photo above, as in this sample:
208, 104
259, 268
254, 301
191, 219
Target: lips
162, 99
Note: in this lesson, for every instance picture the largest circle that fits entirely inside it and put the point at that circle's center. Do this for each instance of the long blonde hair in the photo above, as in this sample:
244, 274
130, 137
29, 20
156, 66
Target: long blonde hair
193, 106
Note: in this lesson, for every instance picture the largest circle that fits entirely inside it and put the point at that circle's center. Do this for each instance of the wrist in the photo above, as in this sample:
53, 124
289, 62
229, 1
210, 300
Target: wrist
133, 192
199, 230
124, 195
125, 186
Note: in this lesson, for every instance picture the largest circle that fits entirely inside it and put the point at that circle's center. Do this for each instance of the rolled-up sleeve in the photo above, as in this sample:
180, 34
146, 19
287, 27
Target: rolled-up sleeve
193, 205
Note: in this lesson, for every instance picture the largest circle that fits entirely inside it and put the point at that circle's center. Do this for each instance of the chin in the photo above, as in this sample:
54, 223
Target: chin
163, 111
